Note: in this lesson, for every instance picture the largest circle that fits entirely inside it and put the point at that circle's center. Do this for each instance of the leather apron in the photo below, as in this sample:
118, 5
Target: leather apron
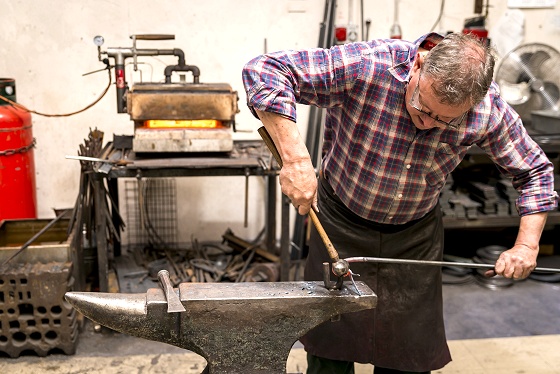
406, 329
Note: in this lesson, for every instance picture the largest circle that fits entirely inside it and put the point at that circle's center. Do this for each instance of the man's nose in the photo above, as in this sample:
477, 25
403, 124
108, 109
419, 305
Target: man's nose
428, 121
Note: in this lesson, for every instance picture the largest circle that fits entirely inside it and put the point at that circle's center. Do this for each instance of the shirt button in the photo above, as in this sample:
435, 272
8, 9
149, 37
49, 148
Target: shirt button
390, 218
408, 166
400, 196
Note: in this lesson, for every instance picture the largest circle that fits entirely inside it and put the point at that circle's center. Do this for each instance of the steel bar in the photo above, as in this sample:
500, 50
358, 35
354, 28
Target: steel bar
246, 328
97, 159
34, 237
101, 234
472, 265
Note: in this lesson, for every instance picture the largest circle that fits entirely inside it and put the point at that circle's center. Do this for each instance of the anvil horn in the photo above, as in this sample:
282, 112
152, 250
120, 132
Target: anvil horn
245, 328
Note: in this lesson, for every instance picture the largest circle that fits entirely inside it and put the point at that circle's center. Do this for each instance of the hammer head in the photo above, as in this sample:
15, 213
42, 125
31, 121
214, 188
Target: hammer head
340, 268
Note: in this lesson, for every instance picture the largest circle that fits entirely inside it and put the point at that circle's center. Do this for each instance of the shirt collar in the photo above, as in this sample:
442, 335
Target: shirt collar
402, 70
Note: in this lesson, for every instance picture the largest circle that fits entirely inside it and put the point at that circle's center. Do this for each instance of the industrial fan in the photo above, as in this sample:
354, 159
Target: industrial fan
529, 80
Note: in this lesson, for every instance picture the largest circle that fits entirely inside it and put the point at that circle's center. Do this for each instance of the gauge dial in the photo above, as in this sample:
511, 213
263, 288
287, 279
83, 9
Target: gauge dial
98, 40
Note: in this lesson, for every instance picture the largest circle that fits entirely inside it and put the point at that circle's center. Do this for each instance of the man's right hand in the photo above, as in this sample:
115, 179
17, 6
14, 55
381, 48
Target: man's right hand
299, 182
298, 179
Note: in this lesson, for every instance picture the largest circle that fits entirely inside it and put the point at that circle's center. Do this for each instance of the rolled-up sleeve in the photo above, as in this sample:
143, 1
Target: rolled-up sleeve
518, 156
267, 89
276, 82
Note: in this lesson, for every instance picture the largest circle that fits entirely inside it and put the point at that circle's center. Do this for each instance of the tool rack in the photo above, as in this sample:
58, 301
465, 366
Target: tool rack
236, 163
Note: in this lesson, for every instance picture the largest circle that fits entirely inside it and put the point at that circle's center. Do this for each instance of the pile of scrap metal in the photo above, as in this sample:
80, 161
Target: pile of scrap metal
233, 260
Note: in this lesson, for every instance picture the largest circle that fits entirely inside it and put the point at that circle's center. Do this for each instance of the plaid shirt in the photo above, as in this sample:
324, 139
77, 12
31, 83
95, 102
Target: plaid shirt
377, 162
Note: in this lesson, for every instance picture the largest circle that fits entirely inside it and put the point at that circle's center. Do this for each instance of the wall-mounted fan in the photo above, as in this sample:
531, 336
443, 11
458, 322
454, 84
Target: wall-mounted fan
529, 80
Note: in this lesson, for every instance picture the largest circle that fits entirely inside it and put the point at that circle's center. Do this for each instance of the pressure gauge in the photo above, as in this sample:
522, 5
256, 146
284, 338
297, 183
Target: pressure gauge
98, 40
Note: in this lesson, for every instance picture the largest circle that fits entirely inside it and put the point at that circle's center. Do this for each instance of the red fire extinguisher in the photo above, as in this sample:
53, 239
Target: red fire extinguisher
17, 167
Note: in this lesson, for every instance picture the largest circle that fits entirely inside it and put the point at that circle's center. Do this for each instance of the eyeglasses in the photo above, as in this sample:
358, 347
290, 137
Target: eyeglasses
415, 103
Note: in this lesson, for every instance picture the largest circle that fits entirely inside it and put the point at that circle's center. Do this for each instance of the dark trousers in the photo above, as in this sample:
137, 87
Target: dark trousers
319, 365
405, 331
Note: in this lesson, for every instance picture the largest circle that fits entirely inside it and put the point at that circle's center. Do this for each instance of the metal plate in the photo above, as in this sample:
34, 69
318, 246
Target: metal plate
182, 102
183, 140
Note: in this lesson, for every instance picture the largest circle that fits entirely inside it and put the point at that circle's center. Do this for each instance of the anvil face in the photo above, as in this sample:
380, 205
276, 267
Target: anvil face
236, 327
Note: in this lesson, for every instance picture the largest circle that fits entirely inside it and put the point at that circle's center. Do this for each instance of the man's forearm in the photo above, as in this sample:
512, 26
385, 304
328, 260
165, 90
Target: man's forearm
297, 177
530, 230
521, 259
286, 137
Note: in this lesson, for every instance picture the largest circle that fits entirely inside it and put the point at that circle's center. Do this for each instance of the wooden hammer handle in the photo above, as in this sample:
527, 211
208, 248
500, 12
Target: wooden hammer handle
333, 254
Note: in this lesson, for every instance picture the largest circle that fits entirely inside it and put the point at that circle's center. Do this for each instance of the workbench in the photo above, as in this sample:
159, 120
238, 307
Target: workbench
248, 158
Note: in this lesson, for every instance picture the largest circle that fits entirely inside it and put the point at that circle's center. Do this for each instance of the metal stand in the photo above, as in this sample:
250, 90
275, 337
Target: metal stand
226, 165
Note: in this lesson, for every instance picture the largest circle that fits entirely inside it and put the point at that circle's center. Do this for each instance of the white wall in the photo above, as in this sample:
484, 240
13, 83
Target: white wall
47, 46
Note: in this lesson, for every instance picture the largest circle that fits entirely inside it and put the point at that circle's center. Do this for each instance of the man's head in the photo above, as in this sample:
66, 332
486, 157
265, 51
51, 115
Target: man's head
461, 68
449, 80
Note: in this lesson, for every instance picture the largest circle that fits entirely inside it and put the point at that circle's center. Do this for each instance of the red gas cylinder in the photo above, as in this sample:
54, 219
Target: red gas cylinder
17, 166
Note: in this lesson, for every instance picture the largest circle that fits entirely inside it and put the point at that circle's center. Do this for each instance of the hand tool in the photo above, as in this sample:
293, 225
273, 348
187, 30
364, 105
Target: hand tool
174, 304
472, 265
340, 268
246, 328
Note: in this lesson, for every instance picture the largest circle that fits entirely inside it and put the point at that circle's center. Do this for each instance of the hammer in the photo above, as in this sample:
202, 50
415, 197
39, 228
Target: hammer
340, 267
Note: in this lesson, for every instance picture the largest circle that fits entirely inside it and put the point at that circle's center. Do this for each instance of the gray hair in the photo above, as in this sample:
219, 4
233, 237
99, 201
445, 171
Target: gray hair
461, 67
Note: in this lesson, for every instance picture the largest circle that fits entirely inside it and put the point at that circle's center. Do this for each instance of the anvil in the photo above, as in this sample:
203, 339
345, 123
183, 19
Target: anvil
237, 327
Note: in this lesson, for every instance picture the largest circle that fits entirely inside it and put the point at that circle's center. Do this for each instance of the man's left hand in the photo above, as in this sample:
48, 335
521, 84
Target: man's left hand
517, 262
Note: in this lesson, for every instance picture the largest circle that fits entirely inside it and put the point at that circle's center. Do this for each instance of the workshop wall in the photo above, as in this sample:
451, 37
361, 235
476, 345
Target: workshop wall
47, 47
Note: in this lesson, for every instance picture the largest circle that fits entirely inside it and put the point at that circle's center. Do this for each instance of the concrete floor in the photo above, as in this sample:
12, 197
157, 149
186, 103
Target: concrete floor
513, 330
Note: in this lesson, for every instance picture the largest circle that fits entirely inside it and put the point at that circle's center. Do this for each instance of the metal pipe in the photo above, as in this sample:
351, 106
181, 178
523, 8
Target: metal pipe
121, 54
194, 69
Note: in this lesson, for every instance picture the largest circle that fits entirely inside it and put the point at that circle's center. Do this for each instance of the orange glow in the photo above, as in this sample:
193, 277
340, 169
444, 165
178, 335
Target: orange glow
183, 124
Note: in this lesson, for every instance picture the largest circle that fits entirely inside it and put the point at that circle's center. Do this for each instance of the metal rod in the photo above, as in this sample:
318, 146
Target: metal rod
34, 237
86, 158
473, 265
96, 159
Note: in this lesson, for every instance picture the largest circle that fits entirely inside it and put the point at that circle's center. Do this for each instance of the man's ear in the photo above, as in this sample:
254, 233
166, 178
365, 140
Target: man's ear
419, 60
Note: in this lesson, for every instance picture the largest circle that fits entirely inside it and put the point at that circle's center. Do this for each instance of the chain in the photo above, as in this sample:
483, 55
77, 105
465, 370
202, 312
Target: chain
13, 129
25, 148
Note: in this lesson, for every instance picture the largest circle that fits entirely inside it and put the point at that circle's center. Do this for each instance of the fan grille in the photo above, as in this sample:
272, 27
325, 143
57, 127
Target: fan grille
529, 78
